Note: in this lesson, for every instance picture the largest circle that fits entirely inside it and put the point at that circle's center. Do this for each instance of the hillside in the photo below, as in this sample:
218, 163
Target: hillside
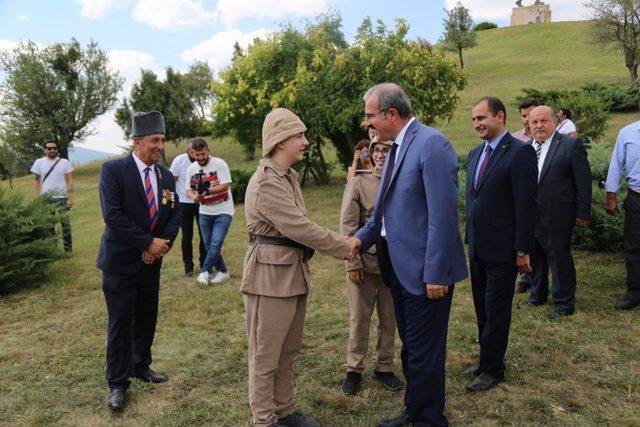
545, 56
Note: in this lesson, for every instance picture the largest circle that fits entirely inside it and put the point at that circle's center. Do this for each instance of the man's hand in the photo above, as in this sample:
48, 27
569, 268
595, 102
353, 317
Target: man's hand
69, 202
523, 264
581, 222
611, 204
436, 291
354, 248
356, 276
158, 247
147, 258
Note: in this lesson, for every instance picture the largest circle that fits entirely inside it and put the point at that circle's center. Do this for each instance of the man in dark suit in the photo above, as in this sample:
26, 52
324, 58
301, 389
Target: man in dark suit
138, 203
501, 213
564, 199
420, 254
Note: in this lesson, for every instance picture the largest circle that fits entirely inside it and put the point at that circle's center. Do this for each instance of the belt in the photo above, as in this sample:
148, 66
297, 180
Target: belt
282, 241
633, 193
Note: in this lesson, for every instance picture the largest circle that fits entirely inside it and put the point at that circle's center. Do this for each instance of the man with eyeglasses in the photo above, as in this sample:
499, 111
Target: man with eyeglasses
52, 177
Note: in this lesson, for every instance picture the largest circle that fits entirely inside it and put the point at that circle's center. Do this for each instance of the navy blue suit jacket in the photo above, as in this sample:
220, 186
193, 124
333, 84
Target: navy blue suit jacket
501, 211
420, 212
124, 209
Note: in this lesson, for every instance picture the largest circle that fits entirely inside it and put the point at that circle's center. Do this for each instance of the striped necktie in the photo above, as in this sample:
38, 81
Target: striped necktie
151, 200
539, 149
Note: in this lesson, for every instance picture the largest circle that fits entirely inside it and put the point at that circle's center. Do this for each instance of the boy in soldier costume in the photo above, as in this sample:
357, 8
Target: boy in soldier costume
276, 278
365, 288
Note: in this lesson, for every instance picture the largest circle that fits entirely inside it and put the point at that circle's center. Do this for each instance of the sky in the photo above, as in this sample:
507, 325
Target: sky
155, 34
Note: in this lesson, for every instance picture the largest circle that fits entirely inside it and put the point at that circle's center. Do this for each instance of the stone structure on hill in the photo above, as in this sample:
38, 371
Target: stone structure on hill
536, 13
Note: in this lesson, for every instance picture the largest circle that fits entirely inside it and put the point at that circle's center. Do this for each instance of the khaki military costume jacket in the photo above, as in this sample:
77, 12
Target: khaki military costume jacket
357, 206
274, 207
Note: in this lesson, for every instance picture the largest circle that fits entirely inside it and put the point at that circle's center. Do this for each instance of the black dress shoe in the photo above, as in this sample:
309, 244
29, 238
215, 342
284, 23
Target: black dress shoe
296, 419
529, 304
627, 304
472, 371
388, 380
351, 383
149, 376
483, 383
399, 421
188, 271
117, 399
558, 313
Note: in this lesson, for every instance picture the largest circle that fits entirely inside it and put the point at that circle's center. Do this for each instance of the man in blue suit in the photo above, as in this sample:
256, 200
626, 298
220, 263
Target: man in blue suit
139, 207
501, 216
415, 227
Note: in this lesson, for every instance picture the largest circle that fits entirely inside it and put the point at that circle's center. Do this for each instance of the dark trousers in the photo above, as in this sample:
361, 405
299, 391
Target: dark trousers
189, 212
61, 205
632, 245
422, 327
132, 303
553, 251
492, 287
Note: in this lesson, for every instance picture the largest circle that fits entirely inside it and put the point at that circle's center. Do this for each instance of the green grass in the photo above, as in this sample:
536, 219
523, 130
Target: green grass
583, 370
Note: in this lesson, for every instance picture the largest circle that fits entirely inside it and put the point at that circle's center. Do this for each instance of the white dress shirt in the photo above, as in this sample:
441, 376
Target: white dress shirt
152, 176
398, 142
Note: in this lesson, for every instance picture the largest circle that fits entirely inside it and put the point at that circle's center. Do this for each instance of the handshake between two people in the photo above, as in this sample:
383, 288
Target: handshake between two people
156, 250
433, 291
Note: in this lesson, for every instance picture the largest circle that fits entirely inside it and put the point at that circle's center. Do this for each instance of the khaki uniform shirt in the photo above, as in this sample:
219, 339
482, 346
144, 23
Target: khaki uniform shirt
357, 206
274, 207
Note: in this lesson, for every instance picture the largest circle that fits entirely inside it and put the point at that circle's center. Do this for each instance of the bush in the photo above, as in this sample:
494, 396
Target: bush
485, 26
239, 181
28, 243
588, 113
615, 97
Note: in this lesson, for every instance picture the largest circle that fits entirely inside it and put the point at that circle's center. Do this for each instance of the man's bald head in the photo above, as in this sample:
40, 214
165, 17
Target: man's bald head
542, 122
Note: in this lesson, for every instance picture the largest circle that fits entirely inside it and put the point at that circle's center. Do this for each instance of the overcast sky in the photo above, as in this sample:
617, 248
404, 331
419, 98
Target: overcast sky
155, 34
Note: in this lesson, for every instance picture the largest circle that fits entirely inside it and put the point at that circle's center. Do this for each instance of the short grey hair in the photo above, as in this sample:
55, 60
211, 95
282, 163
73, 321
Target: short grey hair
390, 95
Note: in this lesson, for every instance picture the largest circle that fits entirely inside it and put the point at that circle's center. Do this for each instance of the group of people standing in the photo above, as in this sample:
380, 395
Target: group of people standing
399, 237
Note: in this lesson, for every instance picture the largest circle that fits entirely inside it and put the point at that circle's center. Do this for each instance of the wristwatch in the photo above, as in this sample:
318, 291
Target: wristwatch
521, 253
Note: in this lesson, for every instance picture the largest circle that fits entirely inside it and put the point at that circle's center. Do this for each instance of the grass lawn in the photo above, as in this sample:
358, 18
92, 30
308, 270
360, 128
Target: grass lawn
583, 370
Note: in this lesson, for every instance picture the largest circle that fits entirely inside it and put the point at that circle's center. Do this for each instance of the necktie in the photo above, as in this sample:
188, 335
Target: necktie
151, 200
539, 149
485, 162
386, 181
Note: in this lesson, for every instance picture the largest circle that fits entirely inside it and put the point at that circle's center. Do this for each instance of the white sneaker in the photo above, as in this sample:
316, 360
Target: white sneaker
221, 277
203, 278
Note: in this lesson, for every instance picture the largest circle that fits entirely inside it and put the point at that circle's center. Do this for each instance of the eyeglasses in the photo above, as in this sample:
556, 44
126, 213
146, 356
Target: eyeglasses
51, 148
371, 116
384, 151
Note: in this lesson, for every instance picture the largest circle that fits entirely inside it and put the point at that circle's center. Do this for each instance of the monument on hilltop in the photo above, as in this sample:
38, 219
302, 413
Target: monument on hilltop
535, 14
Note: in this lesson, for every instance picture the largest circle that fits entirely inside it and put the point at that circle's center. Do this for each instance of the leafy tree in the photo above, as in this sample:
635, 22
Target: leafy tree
197, 82
485, 25
617, 22
459, 31
171, 97
53, 92
316, 74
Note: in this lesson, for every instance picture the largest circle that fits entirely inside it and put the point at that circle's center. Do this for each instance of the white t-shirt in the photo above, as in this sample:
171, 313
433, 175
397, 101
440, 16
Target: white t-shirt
566, 127
179, 168
55, 184
216, 172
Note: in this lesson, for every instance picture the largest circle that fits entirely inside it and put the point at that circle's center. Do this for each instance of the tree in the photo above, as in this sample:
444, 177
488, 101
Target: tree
53, 92
316, 74
618, 22
459, 31
197, 82
171, 97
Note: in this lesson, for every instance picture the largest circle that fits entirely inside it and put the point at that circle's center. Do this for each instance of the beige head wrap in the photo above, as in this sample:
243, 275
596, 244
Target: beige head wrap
280, 124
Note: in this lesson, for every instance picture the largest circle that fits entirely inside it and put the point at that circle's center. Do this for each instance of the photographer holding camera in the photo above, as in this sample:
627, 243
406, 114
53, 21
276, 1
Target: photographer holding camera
208, 180
361, 158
